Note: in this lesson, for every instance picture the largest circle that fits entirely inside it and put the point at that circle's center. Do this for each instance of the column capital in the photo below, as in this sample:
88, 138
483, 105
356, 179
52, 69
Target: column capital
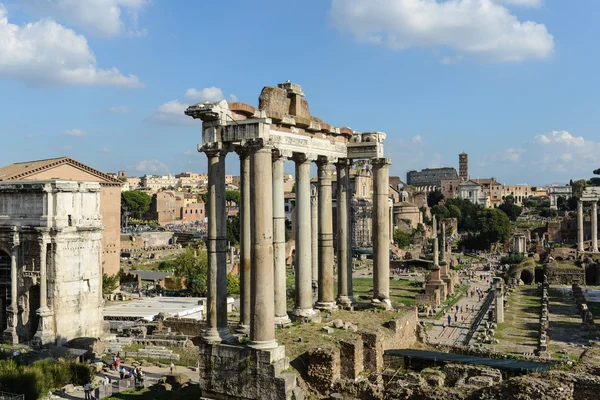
343, 162
381, 162
279, 154
259, 144
303, 157
325, 160
213, 149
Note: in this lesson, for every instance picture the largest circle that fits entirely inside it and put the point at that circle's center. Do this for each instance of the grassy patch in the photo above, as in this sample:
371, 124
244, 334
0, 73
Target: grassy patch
191, 392
188, 356
402, 292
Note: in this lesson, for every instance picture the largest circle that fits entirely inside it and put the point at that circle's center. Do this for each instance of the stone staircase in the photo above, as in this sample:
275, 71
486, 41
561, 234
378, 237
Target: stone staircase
153, 352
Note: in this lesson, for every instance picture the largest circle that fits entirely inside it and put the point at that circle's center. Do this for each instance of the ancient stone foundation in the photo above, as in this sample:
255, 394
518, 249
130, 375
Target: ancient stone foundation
240, 372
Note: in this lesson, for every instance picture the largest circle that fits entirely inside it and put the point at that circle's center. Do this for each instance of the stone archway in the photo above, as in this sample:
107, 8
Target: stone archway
527, 277
4, 288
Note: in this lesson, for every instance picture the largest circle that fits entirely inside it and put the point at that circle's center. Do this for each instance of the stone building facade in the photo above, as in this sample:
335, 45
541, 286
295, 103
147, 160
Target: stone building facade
50, 261
430, 177
69, 169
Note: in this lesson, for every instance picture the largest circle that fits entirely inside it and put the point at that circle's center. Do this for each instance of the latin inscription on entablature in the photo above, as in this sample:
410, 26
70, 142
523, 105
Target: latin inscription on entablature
307, 144
22, 204
239, 132
365, 150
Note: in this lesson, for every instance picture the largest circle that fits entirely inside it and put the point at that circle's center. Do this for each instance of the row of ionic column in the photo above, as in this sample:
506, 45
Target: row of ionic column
262, 242
580, 236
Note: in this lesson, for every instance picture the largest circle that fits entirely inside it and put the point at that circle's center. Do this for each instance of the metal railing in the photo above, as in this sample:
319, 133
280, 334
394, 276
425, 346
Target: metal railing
11, 396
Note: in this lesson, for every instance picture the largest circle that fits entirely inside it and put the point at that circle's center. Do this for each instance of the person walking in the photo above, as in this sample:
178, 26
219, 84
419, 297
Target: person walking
171, 367
87, 388
449, 319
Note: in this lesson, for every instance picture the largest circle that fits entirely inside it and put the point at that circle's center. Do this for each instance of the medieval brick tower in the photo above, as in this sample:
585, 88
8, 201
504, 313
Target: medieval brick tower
463, 166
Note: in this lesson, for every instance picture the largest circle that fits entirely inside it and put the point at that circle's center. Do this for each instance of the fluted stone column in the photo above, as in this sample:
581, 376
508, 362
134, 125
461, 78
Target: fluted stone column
216, 313
580, 225
499, 299
349, 234
381, 231
281, 316
595, 227
45, 333
303, 306
262, 301
344, 267
443, 252
326, 300
245, 240
314, 237
436, 255
10, 334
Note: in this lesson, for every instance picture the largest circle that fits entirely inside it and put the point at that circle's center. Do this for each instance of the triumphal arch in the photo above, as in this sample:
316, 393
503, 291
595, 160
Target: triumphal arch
50, 261
264, 138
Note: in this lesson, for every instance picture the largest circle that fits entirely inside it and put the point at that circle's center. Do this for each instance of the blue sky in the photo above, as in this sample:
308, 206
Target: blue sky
514, 83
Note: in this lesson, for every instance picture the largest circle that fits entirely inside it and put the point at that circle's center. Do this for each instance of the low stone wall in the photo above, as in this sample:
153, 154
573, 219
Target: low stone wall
327, 365
564, 276
587, 319
185, 326
544, 320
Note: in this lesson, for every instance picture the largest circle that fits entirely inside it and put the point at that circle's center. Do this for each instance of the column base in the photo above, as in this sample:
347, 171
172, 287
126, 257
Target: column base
326, 306
282, 321
218, 335
344, 301
10, 336
263, 345
305, 313
45, 334
385, 302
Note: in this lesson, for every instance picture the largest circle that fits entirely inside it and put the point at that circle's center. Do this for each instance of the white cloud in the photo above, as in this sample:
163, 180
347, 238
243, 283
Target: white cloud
45, 52
561, 137
99, 17
512, 155
121, 109
152, 166
75, 133
233, 98
478, 28
523, 3
104, 150
66, 149
211, 94
417, 139
171, 113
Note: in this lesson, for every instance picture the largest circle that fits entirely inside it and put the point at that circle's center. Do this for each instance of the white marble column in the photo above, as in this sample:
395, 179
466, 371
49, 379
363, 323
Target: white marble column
281, 316
580, 225
595, 227
216, 314
245, 240
314, 237
381, 231
262, 323
45, 333
344, 269
443, 252
10, 334
436, 253
303, 303
326, 299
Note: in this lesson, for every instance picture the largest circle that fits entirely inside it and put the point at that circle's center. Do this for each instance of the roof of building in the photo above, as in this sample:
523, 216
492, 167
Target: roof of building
470, 182
18, 171
485, 181
149, 275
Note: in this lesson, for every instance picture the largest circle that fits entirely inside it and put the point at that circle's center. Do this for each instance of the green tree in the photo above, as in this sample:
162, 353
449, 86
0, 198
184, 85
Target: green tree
233, 284
440, 211
511, 210
110, 282
233, 230
577, 187
493, 226
136, 201
402, 238
434, 197
454, 212
232, 195
192, 266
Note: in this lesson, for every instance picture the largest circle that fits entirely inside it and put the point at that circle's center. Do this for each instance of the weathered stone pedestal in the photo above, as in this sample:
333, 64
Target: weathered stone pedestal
446, 277
45, 334
236, 372
10, 333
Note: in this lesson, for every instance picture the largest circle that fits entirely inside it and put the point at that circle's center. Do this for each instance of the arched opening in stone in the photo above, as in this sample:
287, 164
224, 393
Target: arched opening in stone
4, 289
527, 277
34, 305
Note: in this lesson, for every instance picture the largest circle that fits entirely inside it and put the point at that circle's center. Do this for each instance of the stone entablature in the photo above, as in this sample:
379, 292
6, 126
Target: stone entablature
52, 231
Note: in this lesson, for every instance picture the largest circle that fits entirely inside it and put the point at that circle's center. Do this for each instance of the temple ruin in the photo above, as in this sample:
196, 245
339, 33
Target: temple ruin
589, 195
282, 129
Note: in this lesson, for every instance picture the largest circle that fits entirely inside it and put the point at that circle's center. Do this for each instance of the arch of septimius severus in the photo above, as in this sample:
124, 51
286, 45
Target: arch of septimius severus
282, 129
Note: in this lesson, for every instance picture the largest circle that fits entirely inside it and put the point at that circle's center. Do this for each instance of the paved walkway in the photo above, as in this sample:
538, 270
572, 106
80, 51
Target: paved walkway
456, 332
